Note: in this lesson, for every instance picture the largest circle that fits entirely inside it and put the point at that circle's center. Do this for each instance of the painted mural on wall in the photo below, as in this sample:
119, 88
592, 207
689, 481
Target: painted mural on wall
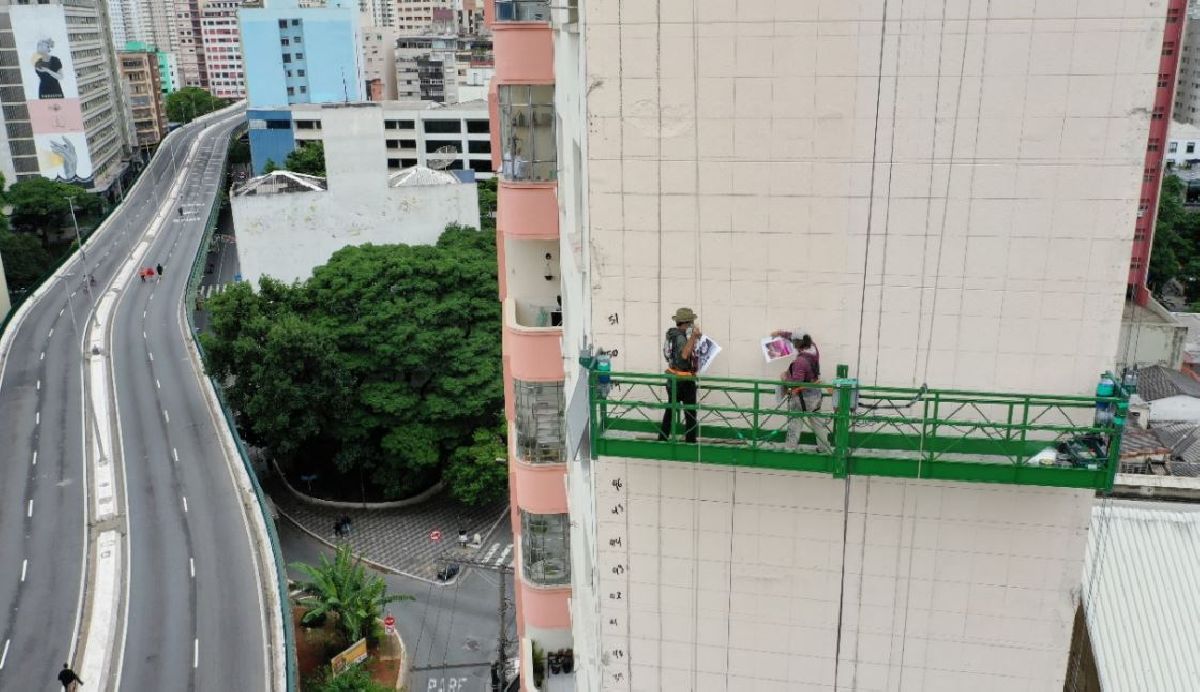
51, 92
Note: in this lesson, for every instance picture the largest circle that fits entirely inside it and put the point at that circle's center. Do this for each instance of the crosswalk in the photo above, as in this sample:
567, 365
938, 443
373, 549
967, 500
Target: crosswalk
211, 290
499, 554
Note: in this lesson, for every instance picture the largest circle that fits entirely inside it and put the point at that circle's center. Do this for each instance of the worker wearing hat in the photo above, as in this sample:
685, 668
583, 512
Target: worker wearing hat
679, 352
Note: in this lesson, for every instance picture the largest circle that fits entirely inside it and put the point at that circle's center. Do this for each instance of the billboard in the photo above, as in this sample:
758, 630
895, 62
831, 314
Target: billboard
51, 92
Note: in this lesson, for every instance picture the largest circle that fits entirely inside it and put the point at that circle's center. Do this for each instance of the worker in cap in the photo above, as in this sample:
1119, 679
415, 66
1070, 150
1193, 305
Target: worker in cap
679, 352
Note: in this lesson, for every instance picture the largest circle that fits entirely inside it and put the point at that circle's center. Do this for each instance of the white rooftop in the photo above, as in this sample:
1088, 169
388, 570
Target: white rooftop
1141, 595
1175, 408
420, 175
1183, 131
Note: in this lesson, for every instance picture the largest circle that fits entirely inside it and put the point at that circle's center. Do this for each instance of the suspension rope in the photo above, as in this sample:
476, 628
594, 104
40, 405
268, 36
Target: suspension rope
937, 273
862, 301
837, 651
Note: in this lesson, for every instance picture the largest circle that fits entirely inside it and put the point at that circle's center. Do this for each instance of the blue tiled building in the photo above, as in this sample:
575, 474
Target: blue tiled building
296, 55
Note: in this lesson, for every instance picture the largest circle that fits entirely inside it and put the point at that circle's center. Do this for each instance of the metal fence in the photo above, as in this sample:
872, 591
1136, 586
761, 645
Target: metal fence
846, 428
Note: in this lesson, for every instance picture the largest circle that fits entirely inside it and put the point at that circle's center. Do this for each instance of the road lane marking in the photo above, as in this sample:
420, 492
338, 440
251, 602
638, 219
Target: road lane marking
195, 652
175, 453
29, 512
39, 385
184, 503
143, 314
60, 311
24, 566
51, 333
192, 566
151, 356
4, 656
144, 335
37, 418
35, 457
43, 356
166, 415
157, 383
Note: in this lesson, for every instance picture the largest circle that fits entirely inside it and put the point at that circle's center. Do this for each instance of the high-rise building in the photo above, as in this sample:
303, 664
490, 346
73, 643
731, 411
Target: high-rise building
945, 200
296, 55
64, 113
378, 13
142, 78
186, 38
168, 71
443, 68
379, 61
222, 46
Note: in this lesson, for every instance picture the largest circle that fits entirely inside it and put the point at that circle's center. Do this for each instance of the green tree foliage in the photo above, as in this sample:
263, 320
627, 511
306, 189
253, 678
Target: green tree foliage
356, 678
25, 260
40, 205
270, 166
189, 103
307, 158
239, 151
487, 203
1176, 250
382, 364
343, 589
478, 474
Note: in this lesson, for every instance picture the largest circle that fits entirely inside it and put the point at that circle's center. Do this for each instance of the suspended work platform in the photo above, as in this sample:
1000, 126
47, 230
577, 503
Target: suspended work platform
943, 434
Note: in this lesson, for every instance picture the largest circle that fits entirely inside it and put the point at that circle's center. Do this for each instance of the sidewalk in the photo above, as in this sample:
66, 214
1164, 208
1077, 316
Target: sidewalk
396, 539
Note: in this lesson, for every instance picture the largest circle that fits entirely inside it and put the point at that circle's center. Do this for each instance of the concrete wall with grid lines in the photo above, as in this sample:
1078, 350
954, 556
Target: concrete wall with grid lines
964, 219
716, 578
946, 199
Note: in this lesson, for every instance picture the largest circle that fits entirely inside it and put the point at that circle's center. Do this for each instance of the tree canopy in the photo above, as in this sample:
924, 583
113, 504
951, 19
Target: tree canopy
307, 158
25, 260
189, 103
380, 366
1176, 250
41, 205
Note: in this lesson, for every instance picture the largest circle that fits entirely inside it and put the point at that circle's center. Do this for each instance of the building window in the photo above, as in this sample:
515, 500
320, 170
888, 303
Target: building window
1172, 147
1164, 80
283, 41
522, 10
299, 73
527, 142
287, 58
1190, 148
479, 147
291, 91
282, 23
539, 421
1168, 48
546, 548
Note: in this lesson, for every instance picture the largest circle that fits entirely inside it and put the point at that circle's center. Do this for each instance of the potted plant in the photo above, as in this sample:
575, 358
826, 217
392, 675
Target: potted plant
539, 665
555, 662
568, 660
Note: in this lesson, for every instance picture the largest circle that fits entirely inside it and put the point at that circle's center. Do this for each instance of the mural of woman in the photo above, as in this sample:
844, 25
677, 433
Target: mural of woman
49, 70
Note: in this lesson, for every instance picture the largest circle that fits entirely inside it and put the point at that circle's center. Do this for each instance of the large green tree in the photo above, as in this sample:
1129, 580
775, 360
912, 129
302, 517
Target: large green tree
478, 473
189, 103
1176, 250
307, 158
25, 260
487, 203
42, 206
356, 678
379, 367
342, 588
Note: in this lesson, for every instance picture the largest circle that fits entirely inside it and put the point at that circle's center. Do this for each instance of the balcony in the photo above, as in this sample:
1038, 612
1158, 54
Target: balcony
528, 210
533, 345
522, 10
937, 434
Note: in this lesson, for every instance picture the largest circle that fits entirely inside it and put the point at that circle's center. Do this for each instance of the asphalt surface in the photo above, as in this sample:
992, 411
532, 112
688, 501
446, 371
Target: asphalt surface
183, 632
450, 631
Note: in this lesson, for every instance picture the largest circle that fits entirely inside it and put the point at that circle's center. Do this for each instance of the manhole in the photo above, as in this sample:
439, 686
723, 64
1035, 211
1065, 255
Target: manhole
471, 645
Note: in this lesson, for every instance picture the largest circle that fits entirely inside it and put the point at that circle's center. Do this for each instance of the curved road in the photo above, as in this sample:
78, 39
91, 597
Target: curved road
195, 612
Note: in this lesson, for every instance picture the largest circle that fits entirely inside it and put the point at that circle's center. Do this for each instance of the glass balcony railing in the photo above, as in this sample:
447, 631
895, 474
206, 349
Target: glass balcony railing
522, 10
847, 428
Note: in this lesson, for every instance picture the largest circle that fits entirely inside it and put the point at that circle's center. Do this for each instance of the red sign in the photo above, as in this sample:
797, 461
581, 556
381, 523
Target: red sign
389, 622
435, 535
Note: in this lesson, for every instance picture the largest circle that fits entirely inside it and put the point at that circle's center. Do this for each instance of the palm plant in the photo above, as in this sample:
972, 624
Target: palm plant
341, 587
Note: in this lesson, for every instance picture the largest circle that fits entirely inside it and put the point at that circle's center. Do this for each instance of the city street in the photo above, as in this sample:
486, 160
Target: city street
195, 614
450, 631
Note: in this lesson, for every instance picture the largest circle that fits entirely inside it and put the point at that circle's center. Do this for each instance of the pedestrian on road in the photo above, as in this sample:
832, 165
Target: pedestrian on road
158, 268
70, 681
142, 275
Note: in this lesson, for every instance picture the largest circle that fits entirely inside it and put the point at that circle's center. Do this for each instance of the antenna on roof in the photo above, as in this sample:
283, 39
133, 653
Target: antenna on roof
345, 87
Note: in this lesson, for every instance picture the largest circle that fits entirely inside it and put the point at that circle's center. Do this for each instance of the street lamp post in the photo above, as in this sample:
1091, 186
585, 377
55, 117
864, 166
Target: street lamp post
70, 303
75, 222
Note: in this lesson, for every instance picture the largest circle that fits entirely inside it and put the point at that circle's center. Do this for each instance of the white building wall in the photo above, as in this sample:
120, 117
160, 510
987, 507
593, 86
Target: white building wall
286, 236
963, 220
713, 578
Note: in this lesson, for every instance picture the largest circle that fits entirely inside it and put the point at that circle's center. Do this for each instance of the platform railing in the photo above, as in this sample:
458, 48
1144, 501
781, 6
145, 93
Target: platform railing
848, 428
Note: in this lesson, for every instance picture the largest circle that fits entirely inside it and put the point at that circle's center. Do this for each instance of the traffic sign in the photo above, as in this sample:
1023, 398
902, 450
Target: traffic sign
389, 622
435, 535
